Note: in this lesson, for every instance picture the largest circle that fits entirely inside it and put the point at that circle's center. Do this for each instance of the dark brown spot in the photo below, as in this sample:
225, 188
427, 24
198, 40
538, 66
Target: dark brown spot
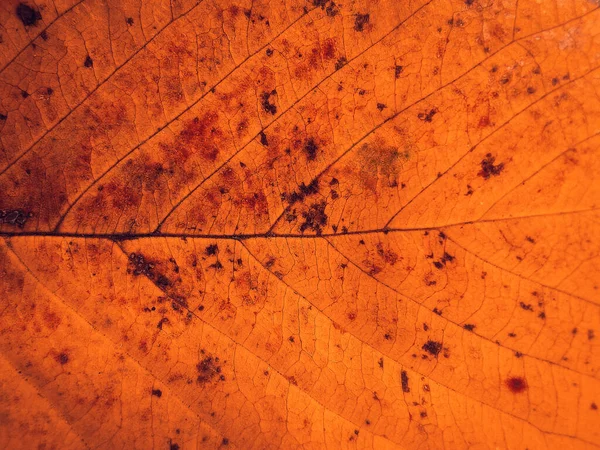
432, 347
361, 21
469, 326
488, 168
157, 393
263, 139
130, 21
89, 62
427, 116
315, 218
404, 379
516, 384
266, 104
212, 249
28, 15
62, 358
44, 35
341, 62
310, 149
397, 71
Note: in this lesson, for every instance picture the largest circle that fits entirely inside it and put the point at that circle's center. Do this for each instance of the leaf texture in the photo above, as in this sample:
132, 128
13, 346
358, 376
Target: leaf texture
300, 224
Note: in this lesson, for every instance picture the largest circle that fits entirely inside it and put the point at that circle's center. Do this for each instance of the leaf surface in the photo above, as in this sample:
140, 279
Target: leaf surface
300, 224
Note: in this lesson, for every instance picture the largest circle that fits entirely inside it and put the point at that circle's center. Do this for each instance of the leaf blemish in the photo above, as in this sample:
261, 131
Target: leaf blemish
27, 15
516, 385
360, 21
432, 347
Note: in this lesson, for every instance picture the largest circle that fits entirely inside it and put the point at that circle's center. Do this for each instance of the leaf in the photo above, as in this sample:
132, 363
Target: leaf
300, 224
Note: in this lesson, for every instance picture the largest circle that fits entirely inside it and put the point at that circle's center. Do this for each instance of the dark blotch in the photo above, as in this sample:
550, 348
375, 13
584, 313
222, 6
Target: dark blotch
488, 168
404, 379
263, 139
469, 326
397, 71
310, 149
62, 358
427, 116
28, 15
266, 104
315, 218
341, 62
212, 249
89, 62
516, 384
432, 347
157, 392
361, 21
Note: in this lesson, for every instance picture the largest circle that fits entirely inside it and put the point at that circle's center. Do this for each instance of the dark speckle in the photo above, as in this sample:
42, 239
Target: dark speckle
24, 94
404, 379
62, 358
263, 139
432, 347
225, 441
28, 15
174, 447
397, 71
310, 149
341, 62
488, 168
130, 21
157, 393
266, 104
516, 384
594, 406
315, 218
212, 249
44, 35
361, 21
3, 117
89, 62
469, 326
427, 116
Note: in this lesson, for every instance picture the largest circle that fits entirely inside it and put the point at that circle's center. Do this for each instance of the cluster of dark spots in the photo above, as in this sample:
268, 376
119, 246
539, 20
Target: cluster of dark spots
216, 265
360, 21
62, 358
315, 218
469, 326
381, 106
427, 116
516, 384
263, 139
488, 168
266, 104
404, 380
341, 62
15, 217
208, 369
28, 15
129, 21
397, 71
432, 347
157, 393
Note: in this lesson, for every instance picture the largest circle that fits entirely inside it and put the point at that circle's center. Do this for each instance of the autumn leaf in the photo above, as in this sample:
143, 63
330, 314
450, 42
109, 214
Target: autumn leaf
300, 224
